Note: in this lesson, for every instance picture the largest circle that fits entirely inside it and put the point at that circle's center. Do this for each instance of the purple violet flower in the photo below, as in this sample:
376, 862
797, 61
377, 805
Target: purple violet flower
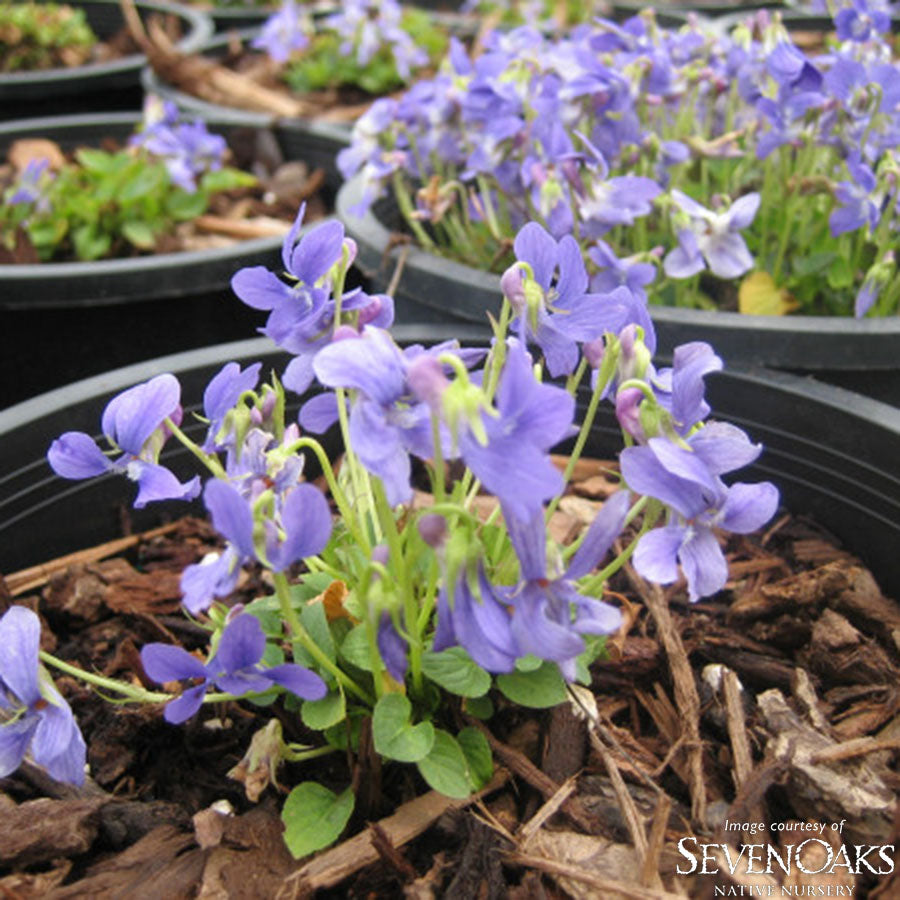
550, 615
711, 239
34, 717
513, 461
301, 316
235, 668
857, 208
299, 526
133, 422
392, 647
284, 32
471, 614
187, 149
687, 481
557, 314
861, 21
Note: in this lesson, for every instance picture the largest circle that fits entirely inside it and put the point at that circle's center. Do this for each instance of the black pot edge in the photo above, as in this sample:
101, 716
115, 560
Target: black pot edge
810, 330
201, 31
44, 274
853, 468
109, 383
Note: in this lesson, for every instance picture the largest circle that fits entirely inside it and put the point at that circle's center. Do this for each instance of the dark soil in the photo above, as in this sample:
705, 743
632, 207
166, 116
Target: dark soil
776, 701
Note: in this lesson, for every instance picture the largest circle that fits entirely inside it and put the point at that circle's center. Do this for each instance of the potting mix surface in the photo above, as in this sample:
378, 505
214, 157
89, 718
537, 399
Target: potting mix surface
771, 712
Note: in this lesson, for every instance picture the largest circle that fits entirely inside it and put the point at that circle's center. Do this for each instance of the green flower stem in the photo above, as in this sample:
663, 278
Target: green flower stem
411, 610
406, 207
596, 582
362, 494
289, 754
129, 691
207, 459
428, 603
574, 379
438, 484
301, 636
489, 214
604, 376
371, 634
498, 354
340, 498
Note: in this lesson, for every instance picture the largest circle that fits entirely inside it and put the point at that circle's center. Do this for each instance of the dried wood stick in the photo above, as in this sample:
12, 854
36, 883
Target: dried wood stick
686, 697
243, 229
856, 747
632, 817
409, 821
549, 809
650, 869
737, 728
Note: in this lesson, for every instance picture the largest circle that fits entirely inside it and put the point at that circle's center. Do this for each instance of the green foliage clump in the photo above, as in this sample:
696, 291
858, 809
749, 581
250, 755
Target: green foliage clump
43, 36
107, 204
323, 65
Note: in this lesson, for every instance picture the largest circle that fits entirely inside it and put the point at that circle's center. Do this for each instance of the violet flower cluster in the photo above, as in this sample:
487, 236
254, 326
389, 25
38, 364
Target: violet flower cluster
687, 150
382, 595
188, 149
364, 29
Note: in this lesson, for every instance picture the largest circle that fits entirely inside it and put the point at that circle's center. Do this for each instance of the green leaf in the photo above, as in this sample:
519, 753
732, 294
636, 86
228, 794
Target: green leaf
147, 180
477, 752
226, 180
314, 817
480, 707
538, 689
355, 648
88, 244
393, 734
595, 647
140, 234
314, 620
98, 161
445, 768
528, 663
840, 274
324, 713
456, 671
184, 206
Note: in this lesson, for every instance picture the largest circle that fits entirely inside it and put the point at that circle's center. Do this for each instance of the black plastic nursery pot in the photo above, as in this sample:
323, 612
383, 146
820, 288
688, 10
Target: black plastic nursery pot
237, 15
832, 454
860, 354
621, 9
64, 321
110, 85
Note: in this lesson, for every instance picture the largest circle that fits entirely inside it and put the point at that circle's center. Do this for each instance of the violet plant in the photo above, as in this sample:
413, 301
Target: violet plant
373, 45
746, 172
111, 203
400, 607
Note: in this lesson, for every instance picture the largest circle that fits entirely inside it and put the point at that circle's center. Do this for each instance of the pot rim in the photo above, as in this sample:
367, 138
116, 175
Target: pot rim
65, 272
200, 30
375, 233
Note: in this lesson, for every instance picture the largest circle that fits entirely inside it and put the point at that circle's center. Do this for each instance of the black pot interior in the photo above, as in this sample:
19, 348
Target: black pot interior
832, 455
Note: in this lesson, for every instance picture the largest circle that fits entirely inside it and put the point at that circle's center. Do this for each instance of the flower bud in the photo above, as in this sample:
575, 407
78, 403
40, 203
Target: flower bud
628, 412
427, 380
512, 283
594, 351
433, 529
